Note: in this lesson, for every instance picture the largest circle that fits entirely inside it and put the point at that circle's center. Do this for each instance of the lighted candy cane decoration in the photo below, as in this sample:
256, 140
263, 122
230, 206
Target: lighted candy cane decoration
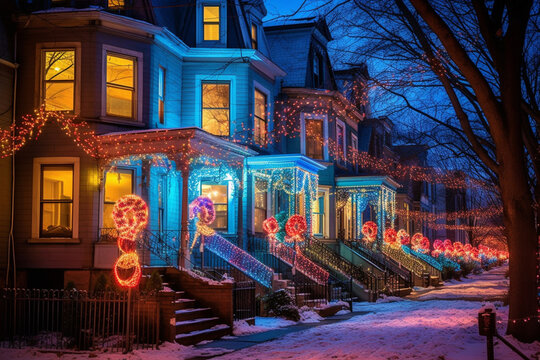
271, 227
403, 237
202, 208
369, 229
130, 215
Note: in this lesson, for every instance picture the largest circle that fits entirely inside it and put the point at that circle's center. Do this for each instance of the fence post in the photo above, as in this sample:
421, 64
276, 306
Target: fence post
128, 332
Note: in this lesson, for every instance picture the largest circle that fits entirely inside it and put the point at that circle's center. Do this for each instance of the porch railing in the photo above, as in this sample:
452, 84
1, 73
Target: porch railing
380, 258
72, 319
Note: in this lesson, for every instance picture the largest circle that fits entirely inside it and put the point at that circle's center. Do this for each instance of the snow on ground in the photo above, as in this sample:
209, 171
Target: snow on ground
241, 327
486, 286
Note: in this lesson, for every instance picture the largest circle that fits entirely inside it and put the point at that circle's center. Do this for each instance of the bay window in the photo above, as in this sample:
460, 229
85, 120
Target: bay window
216, 108
260, 119
314, 139
121, 85
58, 76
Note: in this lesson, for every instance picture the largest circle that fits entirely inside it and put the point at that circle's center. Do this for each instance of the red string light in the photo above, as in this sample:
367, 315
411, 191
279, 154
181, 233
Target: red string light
369, 230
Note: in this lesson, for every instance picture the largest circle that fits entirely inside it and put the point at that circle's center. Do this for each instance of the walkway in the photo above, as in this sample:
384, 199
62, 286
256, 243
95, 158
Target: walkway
231, 344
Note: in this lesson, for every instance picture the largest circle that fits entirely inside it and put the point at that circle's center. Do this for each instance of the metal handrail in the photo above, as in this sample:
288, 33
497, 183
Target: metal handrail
319, 252
415, 265
382, 259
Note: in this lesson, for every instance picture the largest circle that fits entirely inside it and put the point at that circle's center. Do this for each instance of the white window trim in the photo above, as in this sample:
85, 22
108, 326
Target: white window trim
36, 191
326, 225
162, 68
324, 118
232, 208
342, 124
231, 79
222, 23
258, 86
268, 202
137, 118
354, 137
40, 47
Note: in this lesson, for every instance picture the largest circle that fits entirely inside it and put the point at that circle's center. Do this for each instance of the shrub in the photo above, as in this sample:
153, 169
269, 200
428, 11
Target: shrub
154, 283
280, 303
467, 267
101, 283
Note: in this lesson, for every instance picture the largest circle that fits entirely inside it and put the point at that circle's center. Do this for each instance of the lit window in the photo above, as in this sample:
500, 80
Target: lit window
314, 139
261, 120
254, 40
115, 4
215, 108
56, 201
218, 195
117, 184
58, 80
211, 23
120, 85
317, 220
261, 204
340, 139
161, 95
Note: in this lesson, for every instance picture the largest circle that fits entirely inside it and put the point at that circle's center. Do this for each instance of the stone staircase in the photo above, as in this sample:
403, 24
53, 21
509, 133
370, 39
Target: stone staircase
195, 323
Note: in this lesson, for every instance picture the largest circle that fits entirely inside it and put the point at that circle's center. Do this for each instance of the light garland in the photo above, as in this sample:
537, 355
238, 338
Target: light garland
369, 230
130, 216
403, 237
390, 237
295, 227
271, 227
487, 212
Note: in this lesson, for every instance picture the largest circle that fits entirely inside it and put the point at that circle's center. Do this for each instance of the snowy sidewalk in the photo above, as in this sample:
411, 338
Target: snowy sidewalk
235, 343
488, 286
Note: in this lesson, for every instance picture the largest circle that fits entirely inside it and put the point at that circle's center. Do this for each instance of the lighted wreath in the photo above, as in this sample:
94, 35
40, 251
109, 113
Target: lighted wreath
438, 248
403, 237
416, 240
369, 230
390, 237
424, 245
295, 227
270, 226
130, 216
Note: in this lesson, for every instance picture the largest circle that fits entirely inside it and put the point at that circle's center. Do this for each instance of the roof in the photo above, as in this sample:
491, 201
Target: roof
297, 23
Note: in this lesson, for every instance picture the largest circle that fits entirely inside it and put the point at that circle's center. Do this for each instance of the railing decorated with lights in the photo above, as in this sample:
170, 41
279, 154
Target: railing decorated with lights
415, 265
433, 266
382, 260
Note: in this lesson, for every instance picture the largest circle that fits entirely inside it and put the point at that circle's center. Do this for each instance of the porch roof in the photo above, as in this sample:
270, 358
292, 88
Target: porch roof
269, 162
366, 181
184, 142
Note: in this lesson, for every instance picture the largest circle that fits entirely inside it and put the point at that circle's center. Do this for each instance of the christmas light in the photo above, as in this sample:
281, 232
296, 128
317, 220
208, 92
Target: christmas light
390, 237
295, 227
130, 216
369, 230
403, 237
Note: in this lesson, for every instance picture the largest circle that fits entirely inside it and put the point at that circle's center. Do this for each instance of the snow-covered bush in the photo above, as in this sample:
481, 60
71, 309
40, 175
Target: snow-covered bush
280, 303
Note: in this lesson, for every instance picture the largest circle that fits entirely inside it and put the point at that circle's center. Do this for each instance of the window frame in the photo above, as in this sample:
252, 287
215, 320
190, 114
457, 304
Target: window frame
43, 75
136, 118
202, 108
340, 123
254, 39
266, 95
133, 89
312, 116
213, 183
36, 199
57, 201
325, 190
39, 79
162, 86
222, 42
253, 225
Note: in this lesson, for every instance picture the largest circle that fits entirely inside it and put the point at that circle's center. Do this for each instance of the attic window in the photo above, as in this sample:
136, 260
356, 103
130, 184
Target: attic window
116, 4
318, 75
254, 40
211, 23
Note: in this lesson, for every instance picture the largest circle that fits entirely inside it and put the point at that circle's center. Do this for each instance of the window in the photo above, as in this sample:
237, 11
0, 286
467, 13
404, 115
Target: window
161, 95
120, 85
354, 147
261, 204
318, 218
115, 4
117, 184
340, 140
215, 108
315, 138
318, 76
211, 23
58, 74
261, 120
162, 191
56, 201
254, 40
219, 195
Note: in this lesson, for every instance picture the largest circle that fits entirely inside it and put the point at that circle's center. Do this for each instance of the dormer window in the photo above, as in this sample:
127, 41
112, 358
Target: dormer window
211, 23
254, 40
116, 4
318, 75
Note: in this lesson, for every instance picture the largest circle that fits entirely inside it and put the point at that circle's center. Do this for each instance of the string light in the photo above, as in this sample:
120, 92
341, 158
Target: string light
130, 216
295, 227
390, 237
487, 212
369, 230
403, 237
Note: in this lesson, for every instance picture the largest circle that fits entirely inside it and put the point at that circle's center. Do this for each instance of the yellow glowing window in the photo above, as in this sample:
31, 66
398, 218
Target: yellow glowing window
115, 4
261, 204
261, 120
211, 23
254, 41
314, 139
317, 220
120, 85
56, 201
218, 195
58, 92
215, 108
117, 184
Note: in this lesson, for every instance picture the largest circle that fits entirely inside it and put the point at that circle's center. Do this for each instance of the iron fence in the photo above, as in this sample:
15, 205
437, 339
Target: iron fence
244, 300
72, 319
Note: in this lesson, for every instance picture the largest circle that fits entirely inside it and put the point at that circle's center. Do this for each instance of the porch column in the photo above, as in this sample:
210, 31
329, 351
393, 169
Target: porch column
182, 164
146, 167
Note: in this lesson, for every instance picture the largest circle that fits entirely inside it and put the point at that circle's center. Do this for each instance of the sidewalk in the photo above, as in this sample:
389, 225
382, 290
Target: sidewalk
229, 345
